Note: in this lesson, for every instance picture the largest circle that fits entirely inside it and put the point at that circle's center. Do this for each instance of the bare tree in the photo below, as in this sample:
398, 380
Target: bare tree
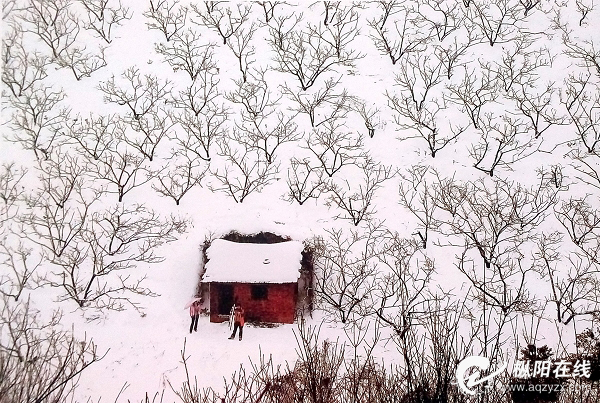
96, 135
400, 303
307, 53
200, 93
141, 95
9, 7
188, 52
538, 108
424, 325
360, 369
183, 172
503, 290
584, 9
496, 20
420, 72
445, 19
201, 130
148, 131
322, 106
21, 265
496, 219
58, 27
61, 177
331, 10
585, 51
334, 147
499, 296
502, 143
245, 172
52, 227
224, 20
368, 116
582, 223
258, 129
449, 55
345, 271
583, 106
519, 66
254, 96
416, 195
355, 202
316, 368
528, 5
255, 134
37, 119
54, 23
447, 346
39, 362
402, 287
11, 189
341, 23
473, 93
95, 271
556, 176
304, 181
83, 64
496, 222
407, 37
574, 294
268, 8
416, 109
587, 167
102, 17
123, 170
239, 43
166, 18
22, 68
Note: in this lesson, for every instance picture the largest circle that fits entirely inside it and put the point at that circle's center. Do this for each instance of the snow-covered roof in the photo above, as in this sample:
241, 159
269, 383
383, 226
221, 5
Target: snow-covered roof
232, 262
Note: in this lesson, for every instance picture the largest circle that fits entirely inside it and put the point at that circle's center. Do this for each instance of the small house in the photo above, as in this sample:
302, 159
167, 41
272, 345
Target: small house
263, 278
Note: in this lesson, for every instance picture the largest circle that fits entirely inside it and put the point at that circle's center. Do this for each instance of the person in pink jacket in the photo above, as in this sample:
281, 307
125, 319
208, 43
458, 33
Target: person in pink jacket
194, 314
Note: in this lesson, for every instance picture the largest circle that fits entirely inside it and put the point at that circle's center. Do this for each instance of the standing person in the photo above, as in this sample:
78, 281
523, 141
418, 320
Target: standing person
238, 321
194, 314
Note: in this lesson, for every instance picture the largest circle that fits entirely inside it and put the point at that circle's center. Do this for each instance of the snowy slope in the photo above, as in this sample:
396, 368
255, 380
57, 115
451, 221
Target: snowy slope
143, 347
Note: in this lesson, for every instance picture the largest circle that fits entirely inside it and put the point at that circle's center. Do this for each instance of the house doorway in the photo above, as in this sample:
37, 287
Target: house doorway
225, 299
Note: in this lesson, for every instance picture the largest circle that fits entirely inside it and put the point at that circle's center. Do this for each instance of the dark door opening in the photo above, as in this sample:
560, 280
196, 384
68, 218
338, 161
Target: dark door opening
225, 299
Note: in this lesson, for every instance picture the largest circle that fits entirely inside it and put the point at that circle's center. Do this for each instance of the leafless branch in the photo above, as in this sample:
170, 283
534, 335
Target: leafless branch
355, 202
416, 195
166, 18
406, 39
502, 143
39, 361
307, 53
102, 17
141, 95
245, 172
334, 147
304, 181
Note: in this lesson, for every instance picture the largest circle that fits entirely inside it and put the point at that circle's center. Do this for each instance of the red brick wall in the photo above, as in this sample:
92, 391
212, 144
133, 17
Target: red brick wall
279, 307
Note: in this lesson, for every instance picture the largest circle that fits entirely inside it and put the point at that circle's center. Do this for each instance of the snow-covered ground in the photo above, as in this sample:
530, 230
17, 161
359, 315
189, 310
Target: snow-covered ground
143, 347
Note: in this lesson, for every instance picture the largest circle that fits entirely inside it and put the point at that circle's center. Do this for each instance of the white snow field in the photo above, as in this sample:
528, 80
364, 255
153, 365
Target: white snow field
470, 127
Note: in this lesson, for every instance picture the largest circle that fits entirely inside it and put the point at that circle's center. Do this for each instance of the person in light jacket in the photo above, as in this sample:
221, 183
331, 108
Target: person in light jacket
238, 321
194, 314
